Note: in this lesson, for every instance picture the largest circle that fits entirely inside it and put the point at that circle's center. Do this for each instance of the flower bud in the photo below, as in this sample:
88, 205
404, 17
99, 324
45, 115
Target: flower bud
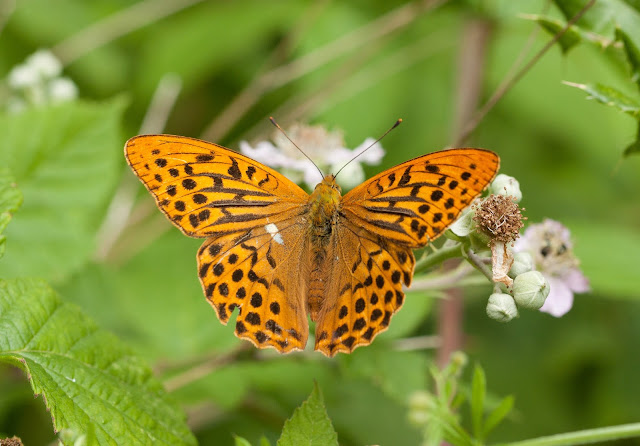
501, 307
522, 263
530, 289
507, 186
464, 225
421, 404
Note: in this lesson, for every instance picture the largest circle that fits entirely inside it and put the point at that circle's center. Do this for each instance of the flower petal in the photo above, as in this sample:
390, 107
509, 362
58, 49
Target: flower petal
560, 299
576, 281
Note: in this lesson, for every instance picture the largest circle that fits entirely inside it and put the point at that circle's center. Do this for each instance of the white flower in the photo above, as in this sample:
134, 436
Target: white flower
550, 245
62, 89
37, 82
45, 64
22, 76
324, 147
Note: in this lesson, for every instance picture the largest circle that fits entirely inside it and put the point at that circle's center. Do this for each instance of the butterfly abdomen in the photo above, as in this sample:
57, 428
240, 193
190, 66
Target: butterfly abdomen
324, 208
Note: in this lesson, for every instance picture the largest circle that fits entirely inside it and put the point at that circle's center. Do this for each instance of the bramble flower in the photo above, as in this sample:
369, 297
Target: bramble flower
324, 147
550, 245
38, 82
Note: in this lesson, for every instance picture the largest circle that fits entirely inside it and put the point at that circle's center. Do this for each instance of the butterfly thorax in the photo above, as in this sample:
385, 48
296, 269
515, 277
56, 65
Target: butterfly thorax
324, 206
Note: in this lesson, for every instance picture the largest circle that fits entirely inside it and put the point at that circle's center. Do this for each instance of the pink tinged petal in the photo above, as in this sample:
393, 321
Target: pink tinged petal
576, 281
560, 299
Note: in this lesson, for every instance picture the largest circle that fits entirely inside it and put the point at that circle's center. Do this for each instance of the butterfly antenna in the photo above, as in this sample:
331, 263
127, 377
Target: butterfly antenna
373, 144
273, 121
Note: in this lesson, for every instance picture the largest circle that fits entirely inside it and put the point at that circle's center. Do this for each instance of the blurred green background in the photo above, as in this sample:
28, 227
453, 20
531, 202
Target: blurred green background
356, 66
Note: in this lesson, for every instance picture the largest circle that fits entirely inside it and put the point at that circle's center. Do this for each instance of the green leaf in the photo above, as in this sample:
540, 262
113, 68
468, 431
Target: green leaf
264, 441
632, 52
478, 392
497, 415
571, 37
10, 201
634, 147
66, 160
89, 380
611, 97
239, 441
310, 424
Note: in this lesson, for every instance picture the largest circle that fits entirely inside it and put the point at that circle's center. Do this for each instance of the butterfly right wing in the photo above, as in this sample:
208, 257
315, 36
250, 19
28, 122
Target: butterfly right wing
413, 203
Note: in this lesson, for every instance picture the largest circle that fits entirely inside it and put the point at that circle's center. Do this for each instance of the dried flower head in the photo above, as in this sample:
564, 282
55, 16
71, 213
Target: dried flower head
499, 217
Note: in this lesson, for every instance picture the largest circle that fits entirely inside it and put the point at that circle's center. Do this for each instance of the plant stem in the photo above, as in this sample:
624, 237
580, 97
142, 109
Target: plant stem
437, 257
584, 436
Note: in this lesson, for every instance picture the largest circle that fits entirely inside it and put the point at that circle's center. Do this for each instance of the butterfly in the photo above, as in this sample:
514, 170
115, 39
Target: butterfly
280, 255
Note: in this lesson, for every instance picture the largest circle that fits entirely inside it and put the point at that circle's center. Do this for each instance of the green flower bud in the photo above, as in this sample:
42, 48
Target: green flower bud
464, 225
421, 404
507, 186
501, 307
530, 290
522, 263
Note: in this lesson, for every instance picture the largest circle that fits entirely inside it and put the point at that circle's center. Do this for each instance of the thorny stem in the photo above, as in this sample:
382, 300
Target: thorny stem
478, 263
471, 62
436, 257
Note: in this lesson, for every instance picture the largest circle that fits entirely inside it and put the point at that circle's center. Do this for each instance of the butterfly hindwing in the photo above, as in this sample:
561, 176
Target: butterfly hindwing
206, 189
364, 288
414, 202
258, 271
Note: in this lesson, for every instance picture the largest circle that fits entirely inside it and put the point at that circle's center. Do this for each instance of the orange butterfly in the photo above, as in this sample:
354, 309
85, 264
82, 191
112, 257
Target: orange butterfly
279, 254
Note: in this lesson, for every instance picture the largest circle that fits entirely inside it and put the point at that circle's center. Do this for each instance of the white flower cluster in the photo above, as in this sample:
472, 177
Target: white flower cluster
325, 148
38, 82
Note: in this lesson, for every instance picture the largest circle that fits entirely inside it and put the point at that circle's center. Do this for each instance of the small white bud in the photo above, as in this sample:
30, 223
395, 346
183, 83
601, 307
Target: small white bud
507, 186
522, 263
421, 404
530, 290
62, 89
45, 64
501, 307
22, 76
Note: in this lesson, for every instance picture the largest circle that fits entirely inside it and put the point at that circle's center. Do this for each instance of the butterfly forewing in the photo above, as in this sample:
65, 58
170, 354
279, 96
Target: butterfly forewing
414, 202
206, 189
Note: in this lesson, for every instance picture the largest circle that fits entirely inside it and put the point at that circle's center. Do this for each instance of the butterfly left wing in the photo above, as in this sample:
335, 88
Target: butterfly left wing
259, 271
413, 203
254, 220
205, 189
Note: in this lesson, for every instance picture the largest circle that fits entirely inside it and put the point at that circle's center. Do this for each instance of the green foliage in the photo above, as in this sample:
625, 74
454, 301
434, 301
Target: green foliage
613, 20
90, 382
65, 160
310, 424
10, 201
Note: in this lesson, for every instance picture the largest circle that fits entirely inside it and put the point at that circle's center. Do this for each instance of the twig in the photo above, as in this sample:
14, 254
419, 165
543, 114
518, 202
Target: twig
282, 75
117, 25
417, 343
203, 369
509, 82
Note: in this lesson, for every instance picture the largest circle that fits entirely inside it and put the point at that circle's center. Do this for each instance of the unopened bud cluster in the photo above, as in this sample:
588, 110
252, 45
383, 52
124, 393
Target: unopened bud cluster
496, 222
